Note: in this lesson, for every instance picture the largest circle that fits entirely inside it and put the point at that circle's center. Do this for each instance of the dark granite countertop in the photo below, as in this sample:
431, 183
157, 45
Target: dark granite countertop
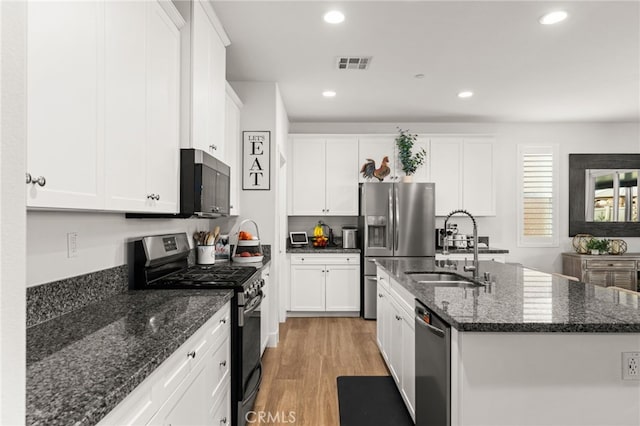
519, 300
487, 250
322, 250
82, 364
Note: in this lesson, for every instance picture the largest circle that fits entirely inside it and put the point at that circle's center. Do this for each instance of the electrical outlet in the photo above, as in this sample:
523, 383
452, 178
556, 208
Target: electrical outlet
72, 244
630, 365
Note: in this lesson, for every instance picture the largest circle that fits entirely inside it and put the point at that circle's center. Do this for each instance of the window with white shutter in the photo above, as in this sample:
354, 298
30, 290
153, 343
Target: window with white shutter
538, 200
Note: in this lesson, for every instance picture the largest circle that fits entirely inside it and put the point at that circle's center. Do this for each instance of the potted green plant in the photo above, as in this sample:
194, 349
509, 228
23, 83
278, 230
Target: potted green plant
597, 246
409, 161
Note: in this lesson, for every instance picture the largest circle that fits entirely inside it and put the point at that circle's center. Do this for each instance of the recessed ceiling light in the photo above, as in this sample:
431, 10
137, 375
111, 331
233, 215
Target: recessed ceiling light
328, 93
465, 94
553, 17
334, 17
419, 76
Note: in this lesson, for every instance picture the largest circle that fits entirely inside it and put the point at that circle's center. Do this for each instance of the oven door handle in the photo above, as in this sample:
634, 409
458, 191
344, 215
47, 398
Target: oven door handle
243, 311
258, 371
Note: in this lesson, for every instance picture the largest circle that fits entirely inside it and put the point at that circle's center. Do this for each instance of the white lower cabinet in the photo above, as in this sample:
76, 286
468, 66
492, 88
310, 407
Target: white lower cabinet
325, 283
396, 336
191, 387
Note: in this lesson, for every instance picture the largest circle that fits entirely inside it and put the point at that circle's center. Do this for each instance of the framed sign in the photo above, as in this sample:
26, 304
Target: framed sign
256, 160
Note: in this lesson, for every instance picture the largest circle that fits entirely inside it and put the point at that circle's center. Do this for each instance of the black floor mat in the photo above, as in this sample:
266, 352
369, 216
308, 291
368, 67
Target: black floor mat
371, 401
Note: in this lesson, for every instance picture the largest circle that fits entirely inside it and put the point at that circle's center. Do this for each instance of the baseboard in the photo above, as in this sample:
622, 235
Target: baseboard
322, 314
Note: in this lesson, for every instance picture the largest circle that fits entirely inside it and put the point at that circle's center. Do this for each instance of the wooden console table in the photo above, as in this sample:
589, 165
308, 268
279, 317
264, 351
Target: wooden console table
604, 270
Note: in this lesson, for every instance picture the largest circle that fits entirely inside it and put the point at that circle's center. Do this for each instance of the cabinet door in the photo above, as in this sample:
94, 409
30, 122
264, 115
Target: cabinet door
409, 362
208, 83
341, 164
624, 279
383, 320
308, 176
65, 104
342, 288
396, 344
478, 185
445, 168
376, 148
307, 287
597, 278
187, 406
163, 78
125, 106
232, 152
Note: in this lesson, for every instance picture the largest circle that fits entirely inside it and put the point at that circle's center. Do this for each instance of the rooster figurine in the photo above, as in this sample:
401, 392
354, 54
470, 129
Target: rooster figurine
369, 170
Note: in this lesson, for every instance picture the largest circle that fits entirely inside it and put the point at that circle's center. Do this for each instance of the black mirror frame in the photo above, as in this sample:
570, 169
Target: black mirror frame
578, 163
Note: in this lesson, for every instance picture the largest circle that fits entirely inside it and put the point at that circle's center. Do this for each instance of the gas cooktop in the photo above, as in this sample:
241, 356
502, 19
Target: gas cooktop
211, 275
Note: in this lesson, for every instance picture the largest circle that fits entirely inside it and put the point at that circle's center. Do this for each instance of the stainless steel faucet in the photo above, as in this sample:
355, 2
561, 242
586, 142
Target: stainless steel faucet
474, 267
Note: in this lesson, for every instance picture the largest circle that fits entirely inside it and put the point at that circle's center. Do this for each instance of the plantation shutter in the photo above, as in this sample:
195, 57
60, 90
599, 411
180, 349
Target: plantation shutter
537, 207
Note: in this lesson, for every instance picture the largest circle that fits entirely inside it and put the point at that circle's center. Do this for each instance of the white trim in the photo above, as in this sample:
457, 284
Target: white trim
217, 25
233, 95
524, 241
171, 11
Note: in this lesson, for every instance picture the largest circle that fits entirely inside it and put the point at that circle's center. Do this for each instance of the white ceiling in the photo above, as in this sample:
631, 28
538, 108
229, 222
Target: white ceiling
584, 69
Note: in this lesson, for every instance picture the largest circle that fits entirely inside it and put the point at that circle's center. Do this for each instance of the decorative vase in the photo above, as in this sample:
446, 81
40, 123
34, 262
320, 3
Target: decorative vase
580, 243
407, 179
617, 247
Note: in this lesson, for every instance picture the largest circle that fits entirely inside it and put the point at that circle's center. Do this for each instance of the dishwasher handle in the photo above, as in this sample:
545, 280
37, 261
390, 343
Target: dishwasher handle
420, 319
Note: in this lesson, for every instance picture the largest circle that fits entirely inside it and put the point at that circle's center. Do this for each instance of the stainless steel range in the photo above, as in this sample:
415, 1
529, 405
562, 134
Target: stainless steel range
160, 262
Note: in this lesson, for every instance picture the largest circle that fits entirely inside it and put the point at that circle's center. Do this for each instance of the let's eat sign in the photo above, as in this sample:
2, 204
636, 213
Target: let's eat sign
256, 160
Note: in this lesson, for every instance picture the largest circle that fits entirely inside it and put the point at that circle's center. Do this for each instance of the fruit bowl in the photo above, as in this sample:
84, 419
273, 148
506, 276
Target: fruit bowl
247, 259
320, 242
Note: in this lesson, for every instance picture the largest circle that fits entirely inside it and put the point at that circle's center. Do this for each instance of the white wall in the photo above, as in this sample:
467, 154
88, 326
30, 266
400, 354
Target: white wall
12, 217
102, 240
502, 229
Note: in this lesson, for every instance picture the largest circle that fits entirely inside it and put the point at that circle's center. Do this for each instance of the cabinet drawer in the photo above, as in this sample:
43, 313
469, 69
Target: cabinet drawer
324, 259
612, 263
217, 371
136, 409
383, 279
220, 413
403, 297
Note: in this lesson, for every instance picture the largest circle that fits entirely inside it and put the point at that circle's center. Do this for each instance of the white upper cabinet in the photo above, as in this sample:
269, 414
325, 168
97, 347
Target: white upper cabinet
142, 107
208, 73
65, 137
376, 147
103, 105
324, 177
232, 140
462, 169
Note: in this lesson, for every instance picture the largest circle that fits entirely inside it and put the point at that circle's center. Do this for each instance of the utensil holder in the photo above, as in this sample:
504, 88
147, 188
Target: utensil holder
206, 255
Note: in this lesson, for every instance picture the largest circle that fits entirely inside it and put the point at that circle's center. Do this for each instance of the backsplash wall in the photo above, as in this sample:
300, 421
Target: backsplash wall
102, 240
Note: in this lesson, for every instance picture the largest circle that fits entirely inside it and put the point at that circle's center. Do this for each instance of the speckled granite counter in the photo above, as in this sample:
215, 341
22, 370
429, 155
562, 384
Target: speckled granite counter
82, 364
519, 300
487, 250
310, 249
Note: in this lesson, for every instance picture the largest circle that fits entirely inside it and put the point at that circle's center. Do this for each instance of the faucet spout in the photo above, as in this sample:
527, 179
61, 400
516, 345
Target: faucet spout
474, 268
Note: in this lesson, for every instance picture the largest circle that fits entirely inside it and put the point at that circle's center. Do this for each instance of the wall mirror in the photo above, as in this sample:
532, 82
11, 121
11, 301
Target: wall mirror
603, 194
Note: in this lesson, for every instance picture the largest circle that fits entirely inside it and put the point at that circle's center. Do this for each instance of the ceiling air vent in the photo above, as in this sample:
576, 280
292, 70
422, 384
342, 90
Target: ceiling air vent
353, 62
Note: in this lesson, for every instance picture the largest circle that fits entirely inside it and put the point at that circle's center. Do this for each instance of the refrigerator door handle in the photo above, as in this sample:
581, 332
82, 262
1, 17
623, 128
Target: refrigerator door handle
396, 218
392, 221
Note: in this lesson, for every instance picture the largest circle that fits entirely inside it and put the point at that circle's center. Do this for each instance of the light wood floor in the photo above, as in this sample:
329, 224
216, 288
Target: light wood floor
300, 374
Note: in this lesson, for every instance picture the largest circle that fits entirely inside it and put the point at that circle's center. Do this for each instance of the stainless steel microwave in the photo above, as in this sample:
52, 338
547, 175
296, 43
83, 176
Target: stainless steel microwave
204, 184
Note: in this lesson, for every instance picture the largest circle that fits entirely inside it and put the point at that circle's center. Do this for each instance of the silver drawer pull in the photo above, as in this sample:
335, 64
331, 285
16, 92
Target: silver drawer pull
223, 321
191, 354
223, 420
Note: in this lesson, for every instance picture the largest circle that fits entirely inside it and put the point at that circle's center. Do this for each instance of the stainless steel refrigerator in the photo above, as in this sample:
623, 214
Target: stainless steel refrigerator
396, 220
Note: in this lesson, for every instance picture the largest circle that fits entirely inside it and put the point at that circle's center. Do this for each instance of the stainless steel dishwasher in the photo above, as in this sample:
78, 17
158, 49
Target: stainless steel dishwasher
433, 369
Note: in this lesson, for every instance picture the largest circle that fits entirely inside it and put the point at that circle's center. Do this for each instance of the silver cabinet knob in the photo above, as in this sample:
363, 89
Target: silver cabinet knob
223, 320
379, 294
213, 147
157, 197
223, 420
191, 354
223, 363
40, 180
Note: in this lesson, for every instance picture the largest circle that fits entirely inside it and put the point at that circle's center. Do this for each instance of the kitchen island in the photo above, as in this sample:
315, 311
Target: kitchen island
529, 348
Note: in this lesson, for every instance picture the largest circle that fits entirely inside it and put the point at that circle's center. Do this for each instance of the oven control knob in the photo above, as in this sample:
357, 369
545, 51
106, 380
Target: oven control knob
247, 294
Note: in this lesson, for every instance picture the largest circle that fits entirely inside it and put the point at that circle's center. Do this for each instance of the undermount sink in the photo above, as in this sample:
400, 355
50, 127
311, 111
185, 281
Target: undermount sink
442, 279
